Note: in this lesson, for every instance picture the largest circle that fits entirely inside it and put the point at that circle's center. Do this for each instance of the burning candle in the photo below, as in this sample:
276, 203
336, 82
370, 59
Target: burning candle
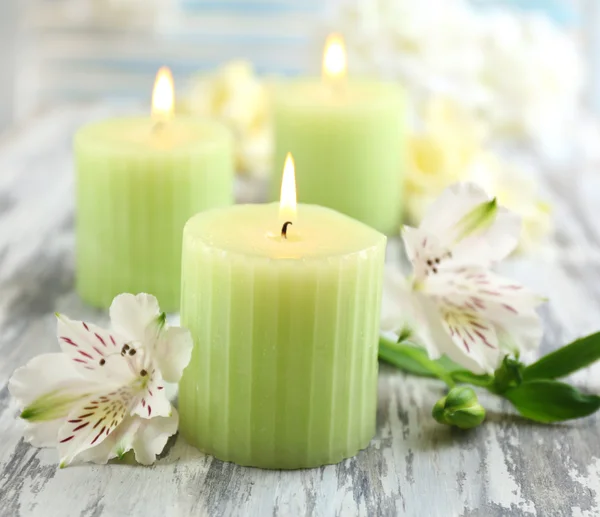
347, 138
139, 179
283, 304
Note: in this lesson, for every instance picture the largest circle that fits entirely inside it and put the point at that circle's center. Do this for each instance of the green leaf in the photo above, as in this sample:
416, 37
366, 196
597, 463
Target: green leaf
448, 364
413, 359
547, 401
403, 361
566, 360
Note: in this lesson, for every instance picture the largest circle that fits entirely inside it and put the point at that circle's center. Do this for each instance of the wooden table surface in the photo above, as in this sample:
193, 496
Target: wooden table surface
413, 467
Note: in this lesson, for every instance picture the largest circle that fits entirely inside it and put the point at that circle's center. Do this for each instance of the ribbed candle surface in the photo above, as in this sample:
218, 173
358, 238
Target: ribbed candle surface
348, 144
137, 185
284, 369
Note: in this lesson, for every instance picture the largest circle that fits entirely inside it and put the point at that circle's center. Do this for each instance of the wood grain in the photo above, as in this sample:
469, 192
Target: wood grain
413, 466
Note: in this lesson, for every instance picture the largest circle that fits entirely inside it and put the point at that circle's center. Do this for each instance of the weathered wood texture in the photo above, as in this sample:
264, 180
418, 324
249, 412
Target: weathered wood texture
413, 466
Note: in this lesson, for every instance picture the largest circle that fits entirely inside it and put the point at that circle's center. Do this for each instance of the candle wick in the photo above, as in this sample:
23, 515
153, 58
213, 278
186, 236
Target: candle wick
284, 229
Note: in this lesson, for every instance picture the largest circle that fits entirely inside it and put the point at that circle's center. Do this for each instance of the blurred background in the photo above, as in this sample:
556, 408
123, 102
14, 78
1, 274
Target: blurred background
498, 89
56, 50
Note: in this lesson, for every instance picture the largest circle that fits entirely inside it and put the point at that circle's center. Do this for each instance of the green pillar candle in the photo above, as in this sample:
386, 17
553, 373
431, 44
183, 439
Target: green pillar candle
137, 183
347, 140
284, 369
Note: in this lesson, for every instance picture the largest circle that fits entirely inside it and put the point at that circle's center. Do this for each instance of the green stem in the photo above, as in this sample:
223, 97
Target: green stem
417, 355
466, 377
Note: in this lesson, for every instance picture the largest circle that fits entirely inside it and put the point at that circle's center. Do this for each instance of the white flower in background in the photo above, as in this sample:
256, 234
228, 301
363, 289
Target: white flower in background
533, 74
514, 71
407, 40
448, 147
517, 190
237, 97
457, 306
104, 394
440, 151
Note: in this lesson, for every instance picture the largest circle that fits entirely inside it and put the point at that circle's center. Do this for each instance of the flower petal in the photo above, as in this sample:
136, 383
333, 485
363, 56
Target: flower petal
415, 314
115, 445
470, 226
46, 381
42, 434
424, 251
432, 334
519, 333
147, 437
475, 338
172, 352
481, 291
414, 241
95, 352
152, 400
486, 315
131, 315
46, 389
152, 435
491, 245
450, 207
400, 309
91, 421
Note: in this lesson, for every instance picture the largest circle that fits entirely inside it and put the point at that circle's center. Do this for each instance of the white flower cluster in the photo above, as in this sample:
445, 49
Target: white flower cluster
516, 188
237, 97
446, 147
516, 72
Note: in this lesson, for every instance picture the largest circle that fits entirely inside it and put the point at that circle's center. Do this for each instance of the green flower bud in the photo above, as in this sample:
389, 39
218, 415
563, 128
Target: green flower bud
460, 408
508, 375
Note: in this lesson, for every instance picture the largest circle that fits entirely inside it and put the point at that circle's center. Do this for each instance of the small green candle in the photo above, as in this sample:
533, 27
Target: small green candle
138, 180
285, 324
347, 139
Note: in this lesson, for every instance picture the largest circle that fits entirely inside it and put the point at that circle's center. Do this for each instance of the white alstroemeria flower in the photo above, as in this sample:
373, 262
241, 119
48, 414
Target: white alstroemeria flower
462, 227
104, 394
457, 306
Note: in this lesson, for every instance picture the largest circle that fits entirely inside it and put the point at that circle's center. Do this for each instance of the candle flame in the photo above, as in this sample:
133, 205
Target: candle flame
163, 96
334, 58
287, 204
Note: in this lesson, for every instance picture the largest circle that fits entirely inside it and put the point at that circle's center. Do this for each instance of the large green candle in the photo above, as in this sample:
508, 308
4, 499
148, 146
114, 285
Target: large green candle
284, 369
138, 181
347, 139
